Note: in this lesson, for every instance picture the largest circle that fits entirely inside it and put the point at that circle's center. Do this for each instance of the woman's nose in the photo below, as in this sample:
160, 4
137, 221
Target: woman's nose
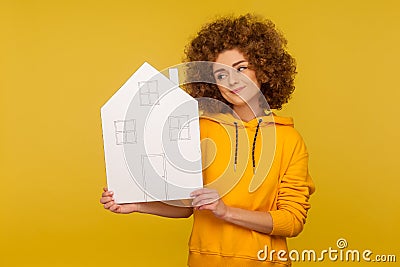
232, 78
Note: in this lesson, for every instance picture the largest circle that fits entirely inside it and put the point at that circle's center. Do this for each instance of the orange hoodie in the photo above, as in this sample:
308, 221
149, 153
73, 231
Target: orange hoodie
259, 165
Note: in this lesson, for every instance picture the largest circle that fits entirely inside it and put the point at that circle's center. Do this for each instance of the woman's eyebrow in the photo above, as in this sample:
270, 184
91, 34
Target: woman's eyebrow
218, 70
233, 65
237, 63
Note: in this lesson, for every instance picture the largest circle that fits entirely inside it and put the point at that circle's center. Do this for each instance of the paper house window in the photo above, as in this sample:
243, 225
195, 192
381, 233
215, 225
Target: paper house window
149, 93
179, 128
125, 132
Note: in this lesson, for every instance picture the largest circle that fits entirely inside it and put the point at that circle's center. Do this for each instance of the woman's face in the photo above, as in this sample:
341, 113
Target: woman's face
237, 83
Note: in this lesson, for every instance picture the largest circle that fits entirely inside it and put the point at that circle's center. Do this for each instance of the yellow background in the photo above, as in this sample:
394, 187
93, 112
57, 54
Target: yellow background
60, 61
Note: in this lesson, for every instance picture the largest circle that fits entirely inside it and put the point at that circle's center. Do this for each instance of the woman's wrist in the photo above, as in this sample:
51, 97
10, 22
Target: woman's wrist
225, 214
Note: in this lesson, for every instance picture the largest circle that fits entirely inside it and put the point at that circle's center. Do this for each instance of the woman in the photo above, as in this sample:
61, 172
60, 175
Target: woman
255, 173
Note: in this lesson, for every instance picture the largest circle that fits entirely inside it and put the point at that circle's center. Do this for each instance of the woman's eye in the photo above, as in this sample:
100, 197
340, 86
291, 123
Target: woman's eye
221, 76
241, 68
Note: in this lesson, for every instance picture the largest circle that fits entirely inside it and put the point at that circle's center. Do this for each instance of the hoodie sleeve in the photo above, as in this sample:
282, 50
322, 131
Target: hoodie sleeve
294, 190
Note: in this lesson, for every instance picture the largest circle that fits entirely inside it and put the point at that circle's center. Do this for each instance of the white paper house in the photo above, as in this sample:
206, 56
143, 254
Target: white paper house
151, 140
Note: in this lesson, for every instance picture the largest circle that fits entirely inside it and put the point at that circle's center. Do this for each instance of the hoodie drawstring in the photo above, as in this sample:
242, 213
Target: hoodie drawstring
253, 147
236, 145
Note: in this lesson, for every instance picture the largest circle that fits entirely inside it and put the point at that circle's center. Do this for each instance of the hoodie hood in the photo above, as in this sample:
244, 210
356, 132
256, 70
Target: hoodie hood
267, 120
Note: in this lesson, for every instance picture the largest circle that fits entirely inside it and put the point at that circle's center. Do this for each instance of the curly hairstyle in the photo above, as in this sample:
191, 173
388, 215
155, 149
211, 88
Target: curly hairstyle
262, 45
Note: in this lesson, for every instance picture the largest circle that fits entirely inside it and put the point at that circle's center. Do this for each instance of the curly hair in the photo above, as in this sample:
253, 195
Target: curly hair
262, 45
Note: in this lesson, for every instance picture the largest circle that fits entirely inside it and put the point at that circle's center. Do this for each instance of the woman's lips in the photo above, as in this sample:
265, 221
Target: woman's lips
237, 90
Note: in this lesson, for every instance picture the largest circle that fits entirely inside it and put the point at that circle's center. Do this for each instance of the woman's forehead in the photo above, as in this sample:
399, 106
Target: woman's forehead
229, 57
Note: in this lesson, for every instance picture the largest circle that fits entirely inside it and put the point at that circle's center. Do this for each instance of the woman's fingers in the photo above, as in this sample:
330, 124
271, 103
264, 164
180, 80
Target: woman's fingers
107, 193
204, 202
107, 200
205, 198
107, 205
202, 191
106, 196
209, 199
104, 200
113, 207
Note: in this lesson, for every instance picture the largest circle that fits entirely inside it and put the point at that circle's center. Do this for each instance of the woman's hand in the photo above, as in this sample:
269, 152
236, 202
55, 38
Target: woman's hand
209, 199
108, 202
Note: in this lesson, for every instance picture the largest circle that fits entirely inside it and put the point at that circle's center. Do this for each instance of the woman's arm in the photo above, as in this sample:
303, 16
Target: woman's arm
165, 210
155, 208
209, 199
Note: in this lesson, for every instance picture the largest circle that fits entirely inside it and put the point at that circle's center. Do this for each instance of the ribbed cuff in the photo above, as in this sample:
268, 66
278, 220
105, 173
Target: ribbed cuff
281, 223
